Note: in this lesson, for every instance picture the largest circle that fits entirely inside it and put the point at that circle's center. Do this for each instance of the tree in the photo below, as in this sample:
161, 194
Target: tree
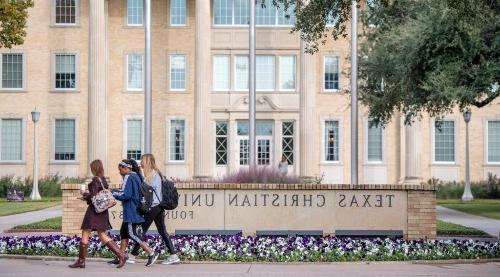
430, 57
13, 15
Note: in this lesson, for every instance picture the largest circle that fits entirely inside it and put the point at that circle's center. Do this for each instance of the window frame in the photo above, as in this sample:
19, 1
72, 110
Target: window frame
294, 72
186, 76
486, 142
65, 25
23, 87
214, 89
294, 140
273, 89
366, 145
127, 88
53, 139
77, 72
323, 148
186, 18
169, 120
455, 138
125, 133
23, 140
228, 160
276, 21
125, 4
235, 73
323, 82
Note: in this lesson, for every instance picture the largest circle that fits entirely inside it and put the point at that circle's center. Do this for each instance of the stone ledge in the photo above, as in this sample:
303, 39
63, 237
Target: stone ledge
308, 186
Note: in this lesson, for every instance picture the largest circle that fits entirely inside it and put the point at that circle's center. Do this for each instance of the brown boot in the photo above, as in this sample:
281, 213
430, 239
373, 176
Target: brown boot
80, 263
116, 250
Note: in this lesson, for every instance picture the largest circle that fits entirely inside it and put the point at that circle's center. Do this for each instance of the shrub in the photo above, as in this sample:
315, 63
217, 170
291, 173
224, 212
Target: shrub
489, 189
48, 186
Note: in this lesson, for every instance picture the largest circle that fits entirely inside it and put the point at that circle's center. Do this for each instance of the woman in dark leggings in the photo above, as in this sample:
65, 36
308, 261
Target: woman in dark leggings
152, 177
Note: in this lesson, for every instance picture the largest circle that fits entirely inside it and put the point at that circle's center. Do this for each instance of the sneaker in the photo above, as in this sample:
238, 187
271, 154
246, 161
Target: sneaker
116, 261
131, 259
152, 259
172, 259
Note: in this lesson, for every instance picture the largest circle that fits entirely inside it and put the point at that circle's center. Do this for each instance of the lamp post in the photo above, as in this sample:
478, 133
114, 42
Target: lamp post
467, 196
354, 93
35, 195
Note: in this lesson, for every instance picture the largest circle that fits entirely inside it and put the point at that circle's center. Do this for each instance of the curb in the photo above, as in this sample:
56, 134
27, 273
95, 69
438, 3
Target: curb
417, 262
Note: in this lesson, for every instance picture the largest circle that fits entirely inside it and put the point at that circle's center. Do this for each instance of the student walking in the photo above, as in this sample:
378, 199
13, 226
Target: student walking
153, 177
93, 221
129, 195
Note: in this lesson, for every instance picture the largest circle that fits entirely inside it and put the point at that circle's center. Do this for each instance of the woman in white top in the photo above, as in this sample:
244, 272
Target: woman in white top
153, 177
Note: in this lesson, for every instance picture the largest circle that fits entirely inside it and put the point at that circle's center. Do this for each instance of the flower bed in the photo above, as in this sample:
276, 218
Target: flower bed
270, 249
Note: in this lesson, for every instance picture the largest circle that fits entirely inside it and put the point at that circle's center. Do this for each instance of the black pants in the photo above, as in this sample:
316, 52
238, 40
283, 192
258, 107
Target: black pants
157, 215
131, 231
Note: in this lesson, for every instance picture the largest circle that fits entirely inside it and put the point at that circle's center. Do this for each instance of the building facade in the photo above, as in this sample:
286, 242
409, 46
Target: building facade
82, 67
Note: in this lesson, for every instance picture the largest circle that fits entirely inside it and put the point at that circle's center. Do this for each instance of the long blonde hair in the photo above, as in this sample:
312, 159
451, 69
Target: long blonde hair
149, 167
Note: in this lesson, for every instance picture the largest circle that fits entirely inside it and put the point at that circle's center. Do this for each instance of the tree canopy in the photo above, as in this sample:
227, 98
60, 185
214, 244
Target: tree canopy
416, 56
13, 17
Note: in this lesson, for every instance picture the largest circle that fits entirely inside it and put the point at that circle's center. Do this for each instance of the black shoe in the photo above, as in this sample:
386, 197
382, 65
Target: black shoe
116, 261
152, 259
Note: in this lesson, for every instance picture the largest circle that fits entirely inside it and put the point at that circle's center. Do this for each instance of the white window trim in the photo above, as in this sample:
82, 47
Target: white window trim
61, 25
125, 4
323, 160
186, 73
486, 151
185, 15
126, 118
276, 24
23, 88
53, 138
77, 72
433, 150
323, 82
294, 69
186, 142
368, 162
23, 139
275, 72
229, 71
234, 72
127, 89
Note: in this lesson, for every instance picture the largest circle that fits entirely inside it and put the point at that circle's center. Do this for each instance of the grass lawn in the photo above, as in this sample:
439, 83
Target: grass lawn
9, 208
450, 229
51, 224
482, 207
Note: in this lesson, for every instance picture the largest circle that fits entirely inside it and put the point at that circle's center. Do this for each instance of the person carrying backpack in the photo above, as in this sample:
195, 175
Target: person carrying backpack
130, 197
156, 214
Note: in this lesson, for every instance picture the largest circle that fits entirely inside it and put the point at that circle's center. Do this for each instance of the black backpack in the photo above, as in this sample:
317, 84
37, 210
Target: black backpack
145, 198
170, 196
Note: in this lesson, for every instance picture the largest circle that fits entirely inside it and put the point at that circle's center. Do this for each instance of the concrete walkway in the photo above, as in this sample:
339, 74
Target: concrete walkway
488, 225
9, 221
41, 268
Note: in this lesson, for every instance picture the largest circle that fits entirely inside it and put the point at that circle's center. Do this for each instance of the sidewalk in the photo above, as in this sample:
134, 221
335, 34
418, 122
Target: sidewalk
9, 221
40, 268
488, 225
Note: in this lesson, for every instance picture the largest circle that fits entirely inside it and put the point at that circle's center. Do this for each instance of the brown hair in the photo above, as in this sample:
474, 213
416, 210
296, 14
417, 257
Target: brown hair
97, 168
149, 167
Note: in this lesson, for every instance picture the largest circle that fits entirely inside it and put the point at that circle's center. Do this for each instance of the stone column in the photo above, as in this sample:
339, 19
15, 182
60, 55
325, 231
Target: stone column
97, 106
413, 152
202, 147
308, 138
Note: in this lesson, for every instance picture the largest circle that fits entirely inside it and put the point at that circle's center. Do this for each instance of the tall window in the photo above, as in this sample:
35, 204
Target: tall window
177, 72
287, 141
287, 73
444, 141
221, 72
12, 71
374, 142
494, 141
135, 12
134, 71
11, 143
241, 72
235, 12
66, 12
331, 141
134, 139
64, 143
177, 140
178, 12
265, 73
221, 143
331, 20
65, 71
331, 69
